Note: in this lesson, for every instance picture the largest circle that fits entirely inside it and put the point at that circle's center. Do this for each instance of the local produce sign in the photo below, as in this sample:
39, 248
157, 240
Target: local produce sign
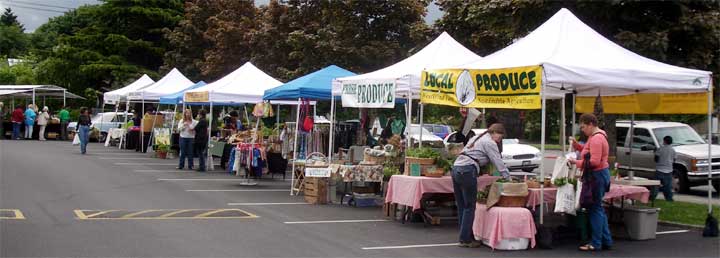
368, 94
516, 88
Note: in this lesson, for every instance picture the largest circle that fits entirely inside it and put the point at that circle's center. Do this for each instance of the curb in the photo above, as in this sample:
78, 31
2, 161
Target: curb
688, 226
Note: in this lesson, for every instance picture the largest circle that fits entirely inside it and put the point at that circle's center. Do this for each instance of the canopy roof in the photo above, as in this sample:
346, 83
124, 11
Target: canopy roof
23, 91
443, 52
316, 85
112, 97
173, 82
177, 98
576, 57
247, 84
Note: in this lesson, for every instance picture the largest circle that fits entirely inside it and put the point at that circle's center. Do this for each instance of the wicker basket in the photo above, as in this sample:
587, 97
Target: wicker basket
373, 160
512, 201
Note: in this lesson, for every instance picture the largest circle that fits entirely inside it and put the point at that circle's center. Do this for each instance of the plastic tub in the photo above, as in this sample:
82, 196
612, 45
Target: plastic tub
641, 222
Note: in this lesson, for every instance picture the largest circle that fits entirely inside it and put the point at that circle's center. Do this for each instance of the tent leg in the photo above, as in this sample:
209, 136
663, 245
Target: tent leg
631, 172
409, 120
421, 124
572, 128
332, 129
562, 128
64, 97
710, 157
172, 125
210, 165
294, 158
542, 151
142, 128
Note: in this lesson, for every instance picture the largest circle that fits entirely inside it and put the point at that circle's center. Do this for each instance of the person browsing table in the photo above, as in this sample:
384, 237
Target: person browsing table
480, 151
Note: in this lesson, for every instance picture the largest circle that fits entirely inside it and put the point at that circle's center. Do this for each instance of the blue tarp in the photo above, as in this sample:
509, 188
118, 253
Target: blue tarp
314, 86
177, 98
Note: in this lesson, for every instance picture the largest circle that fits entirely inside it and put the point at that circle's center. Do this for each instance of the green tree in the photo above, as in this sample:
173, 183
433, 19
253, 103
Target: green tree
8, 18
104, 46
683, 33
13, 42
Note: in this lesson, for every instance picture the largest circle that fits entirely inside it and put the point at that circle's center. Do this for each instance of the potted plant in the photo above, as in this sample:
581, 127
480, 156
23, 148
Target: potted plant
162, 151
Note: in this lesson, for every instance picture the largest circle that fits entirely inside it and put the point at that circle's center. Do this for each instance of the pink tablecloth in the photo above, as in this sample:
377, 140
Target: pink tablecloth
638, 193
500, 223
408, 190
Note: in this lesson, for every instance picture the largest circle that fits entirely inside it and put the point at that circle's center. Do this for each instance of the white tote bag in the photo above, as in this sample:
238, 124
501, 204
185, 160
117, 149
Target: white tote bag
560, 169
76, 140
565, 199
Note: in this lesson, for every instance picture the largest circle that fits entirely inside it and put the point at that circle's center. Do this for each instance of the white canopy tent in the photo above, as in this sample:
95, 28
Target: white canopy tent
575, 58
115, 96
33, 91
442, 52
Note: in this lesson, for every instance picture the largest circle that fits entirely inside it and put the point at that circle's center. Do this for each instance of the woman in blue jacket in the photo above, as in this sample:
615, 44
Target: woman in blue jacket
30, 116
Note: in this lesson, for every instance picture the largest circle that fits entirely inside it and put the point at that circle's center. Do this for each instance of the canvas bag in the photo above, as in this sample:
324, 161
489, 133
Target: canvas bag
76, 140
565, 199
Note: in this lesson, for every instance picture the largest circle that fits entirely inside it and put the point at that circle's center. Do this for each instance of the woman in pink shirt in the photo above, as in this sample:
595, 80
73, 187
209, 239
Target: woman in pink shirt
597, 146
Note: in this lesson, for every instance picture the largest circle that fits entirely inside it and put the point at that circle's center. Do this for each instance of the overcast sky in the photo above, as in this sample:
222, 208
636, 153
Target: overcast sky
33, 13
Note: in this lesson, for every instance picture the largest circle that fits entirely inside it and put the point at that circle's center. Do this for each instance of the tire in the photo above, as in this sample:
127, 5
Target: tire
528, 170
102, 137
681, 184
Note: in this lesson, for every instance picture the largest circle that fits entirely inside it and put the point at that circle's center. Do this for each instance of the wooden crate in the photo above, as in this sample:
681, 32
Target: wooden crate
424, 164
316, 189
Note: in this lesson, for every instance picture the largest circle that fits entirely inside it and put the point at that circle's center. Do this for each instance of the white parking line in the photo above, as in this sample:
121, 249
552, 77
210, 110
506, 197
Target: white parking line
407, 246
671, 232
146, 164
265, 203
124, 158
240, 190
336, 221
161, 171
202, 179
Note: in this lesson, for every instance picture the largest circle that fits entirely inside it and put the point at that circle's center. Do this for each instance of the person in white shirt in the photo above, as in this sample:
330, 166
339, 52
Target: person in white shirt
186, 127
42, 121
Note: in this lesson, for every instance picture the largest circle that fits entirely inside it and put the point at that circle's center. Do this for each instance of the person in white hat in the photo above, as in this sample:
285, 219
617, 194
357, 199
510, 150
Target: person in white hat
42, 121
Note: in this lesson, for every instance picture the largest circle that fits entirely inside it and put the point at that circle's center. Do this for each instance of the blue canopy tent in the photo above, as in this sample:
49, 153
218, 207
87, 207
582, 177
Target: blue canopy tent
177, 98
315, 86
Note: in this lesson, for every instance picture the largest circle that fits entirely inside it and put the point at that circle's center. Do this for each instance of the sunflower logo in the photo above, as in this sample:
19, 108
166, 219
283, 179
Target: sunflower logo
465, 91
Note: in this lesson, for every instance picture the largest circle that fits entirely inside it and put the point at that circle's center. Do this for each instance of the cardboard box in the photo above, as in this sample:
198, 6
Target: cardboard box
147, 122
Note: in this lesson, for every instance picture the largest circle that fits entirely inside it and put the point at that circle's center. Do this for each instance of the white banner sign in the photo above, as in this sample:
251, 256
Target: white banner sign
317, 172
368, 94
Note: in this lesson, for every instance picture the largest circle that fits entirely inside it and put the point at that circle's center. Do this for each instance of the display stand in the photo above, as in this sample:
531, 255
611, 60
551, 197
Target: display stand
248, 181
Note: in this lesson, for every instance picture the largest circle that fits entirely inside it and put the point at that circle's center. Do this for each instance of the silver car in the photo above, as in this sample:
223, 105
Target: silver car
691, 162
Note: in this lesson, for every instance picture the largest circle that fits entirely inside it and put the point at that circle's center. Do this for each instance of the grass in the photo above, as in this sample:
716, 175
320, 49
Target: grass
684, 212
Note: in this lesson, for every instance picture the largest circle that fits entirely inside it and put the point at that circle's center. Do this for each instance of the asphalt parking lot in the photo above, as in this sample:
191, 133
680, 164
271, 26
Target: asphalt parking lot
121, 203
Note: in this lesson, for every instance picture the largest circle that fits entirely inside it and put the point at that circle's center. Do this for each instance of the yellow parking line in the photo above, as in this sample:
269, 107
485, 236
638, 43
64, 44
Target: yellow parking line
131, 215
174, 213
18, 214
98, 214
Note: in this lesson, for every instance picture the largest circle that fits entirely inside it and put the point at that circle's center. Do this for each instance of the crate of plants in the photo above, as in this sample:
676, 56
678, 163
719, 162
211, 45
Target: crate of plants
423, 157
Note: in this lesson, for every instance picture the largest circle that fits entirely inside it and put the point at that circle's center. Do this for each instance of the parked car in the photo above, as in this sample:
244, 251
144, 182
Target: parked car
691, 162
103, 122
439, 130
428, 139
515, 155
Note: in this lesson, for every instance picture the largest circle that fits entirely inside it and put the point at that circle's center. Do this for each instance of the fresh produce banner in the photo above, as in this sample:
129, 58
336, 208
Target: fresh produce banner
368, 94
515, 88
647, 103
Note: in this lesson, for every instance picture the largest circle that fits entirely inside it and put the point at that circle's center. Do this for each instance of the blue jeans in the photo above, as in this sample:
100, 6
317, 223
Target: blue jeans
665, 186
16, 130
84, 135
186, 151
202, 155
598, 220
465, 188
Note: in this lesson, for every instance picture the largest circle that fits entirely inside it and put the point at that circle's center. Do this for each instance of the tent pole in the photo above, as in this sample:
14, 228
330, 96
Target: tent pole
277, 116
542, 151
421, 124
124, 125
44, 101
64, 97
409, 120
142, 128
710, 157
631, 173
332, 129
562, 128
294, 158
33, 100
209, 159
172, 125
572, 128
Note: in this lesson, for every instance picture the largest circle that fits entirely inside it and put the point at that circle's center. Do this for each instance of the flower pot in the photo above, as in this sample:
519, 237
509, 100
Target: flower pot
162, 155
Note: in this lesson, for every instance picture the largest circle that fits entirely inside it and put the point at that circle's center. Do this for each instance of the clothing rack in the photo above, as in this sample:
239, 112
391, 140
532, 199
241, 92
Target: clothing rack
250, 160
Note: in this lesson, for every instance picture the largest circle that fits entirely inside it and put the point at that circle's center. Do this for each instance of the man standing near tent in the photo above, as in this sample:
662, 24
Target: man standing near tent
17, 121
64, 116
